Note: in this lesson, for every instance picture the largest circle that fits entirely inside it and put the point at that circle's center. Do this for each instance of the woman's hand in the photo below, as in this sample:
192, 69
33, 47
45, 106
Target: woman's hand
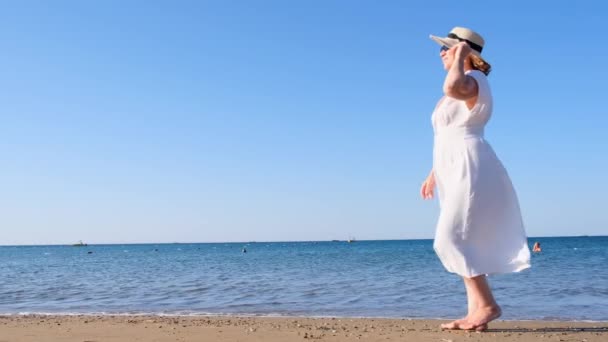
427, 190
460, 51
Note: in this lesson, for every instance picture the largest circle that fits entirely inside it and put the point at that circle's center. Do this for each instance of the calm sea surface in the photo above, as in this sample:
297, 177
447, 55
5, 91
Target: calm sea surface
567, 281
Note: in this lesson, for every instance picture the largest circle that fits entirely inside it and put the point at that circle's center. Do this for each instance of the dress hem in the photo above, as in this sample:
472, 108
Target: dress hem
477, 274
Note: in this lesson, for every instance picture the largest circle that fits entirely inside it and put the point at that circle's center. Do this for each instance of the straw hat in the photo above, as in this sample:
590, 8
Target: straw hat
461, 34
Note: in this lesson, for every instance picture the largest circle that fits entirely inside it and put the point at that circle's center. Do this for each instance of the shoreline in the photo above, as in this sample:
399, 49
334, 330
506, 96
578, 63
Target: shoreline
123, 328
236, 316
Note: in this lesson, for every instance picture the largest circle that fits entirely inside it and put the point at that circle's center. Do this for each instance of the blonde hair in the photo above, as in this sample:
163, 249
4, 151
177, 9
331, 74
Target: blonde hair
478, 63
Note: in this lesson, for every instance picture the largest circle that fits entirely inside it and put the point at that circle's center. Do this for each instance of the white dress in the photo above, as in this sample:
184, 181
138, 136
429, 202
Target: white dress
480, 228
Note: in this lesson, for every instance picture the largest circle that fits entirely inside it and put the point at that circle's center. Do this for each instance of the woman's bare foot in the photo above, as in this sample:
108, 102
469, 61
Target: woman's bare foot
480, 319
462, 324
454, 324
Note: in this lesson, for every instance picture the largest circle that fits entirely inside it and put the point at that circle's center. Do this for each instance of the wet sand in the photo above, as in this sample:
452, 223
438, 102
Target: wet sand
160, 329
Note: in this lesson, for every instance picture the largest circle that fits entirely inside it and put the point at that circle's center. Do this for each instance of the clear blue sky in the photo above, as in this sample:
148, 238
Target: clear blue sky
201, 121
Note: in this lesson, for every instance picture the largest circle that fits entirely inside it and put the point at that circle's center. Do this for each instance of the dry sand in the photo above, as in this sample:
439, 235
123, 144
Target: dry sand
201, 329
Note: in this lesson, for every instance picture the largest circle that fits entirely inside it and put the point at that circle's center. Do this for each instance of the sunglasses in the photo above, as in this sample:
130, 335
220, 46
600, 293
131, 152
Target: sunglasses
444, 48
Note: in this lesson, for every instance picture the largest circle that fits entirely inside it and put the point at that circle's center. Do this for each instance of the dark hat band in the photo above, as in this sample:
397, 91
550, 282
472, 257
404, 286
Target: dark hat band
473, 46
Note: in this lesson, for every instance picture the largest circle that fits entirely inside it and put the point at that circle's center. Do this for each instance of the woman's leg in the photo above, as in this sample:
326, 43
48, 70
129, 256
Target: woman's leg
472, 307
487, 309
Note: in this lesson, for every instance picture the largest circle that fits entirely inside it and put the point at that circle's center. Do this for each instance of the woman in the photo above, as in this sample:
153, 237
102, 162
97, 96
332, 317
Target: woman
480, 229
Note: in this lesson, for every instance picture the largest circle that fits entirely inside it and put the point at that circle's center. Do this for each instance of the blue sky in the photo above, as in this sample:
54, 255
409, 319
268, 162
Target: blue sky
202, 121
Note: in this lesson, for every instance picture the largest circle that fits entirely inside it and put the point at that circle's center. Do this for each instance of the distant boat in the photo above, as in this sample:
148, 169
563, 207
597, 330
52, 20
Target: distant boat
351, 240
79, 244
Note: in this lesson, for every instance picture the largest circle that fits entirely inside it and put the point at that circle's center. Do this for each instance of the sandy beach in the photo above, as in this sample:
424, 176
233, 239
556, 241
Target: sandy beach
157, 329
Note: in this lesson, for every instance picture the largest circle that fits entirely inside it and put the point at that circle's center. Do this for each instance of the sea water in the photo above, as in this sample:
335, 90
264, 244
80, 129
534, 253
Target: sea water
398, 278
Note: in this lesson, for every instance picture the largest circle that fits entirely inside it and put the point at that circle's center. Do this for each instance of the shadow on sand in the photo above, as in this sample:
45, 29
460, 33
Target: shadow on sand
550, 330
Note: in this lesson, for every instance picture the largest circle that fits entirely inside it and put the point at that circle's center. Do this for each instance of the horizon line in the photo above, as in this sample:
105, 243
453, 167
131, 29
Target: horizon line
254, 241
